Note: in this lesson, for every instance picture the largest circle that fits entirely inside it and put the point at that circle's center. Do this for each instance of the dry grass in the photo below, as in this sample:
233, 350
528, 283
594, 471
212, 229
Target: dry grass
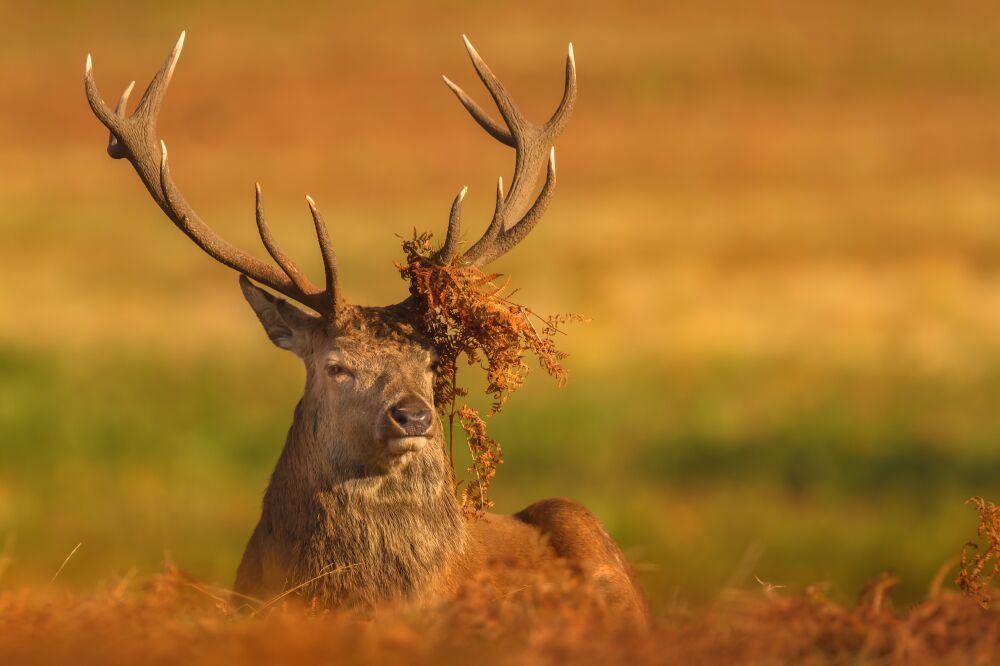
552, 618
172, 619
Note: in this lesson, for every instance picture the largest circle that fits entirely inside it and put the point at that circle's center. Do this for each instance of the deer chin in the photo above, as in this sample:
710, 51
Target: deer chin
397, 446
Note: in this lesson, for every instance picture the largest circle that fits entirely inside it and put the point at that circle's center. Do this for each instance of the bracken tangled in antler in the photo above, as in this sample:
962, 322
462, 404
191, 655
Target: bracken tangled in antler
466, 312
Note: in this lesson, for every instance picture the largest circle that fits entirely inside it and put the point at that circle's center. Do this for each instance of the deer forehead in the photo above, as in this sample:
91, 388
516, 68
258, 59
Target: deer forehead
375, 353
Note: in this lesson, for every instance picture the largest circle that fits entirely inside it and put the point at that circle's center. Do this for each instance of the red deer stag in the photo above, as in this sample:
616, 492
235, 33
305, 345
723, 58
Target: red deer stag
363, 487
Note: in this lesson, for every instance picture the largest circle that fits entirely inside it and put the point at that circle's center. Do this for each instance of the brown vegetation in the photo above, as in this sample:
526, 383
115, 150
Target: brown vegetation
172, 619
466, 313
976, 572
551, 619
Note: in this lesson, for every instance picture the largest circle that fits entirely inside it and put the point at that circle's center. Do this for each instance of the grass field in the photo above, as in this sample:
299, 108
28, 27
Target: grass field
783, 220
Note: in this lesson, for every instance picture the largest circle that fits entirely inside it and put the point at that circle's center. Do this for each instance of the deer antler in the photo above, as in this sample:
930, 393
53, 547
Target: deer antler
134, 138
513, 219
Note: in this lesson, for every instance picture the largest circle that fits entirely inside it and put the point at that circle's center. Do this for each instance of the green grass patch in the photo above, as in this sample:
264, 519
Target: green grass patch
707, 479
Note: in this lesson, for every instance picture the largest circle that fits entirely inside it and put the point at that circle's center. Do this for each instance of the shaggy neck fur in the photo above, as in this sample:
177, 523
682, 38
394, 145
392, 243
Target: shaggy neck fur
369, 535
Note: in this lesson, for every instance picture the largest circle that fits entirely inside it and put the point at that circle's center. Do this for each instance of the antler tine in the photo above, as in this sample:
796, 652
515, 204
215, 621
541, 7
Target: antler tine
217, 247
557, 122
496, 224
449, 250
123, 100
335, 302
301, 282
492, 127
134, 138
514, 216
114, 148
505, 105
152, 98
514, 235
108, 118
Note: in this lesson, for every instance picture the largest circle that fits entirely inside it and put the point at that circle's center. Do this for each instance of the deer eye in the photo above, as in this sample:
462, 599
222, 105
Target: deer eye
338, 372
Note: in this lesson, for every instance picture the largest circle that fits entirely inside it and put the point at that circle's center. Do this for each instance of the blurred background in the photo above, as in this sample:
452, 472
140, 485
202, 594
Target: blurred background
782, 217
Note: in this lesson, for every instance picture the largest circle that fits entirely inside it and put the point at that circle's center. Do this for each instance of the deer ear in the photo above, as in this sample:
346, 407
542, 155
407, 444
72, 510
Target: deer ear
287, 326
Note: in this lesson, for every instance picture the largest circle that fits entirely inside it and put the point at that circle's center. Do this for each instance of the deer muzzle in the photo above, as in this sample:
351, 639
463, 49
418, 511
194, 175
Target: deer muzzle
412, 420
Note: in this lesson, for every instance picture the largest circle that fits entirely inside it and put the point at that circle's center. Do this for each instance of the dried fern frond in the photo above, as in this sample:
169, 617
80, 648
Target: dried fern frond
465, 311
486, 455
975, 569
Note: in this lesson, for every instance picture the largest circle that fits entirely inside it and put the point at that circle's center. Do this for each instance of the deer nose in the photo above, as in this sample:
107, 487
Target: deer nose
412, 415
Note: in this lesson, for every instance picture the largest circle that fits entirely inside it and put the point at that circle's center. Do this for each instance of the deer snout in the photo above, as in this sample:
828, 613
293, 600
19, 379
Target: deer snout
412, 420
412, 416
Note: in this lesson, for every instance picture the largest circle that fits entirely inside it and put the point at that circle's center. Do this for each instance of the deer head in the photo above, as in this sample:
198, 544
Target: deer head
369, 373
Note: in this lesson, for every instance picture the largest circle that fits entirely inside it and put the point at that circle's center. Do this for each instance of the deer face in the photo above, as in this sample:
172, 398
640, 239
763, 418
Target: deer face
369, 380
381, 389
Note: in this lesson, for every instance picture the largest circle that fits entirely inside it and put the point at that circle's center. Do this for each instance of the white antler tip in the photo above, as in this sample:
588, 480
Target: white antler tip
128, 90
468, 45
309, 200
163, 151
465, 190
89, 66
447, 81
552, 157
256, 187
175, 55
572, 58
